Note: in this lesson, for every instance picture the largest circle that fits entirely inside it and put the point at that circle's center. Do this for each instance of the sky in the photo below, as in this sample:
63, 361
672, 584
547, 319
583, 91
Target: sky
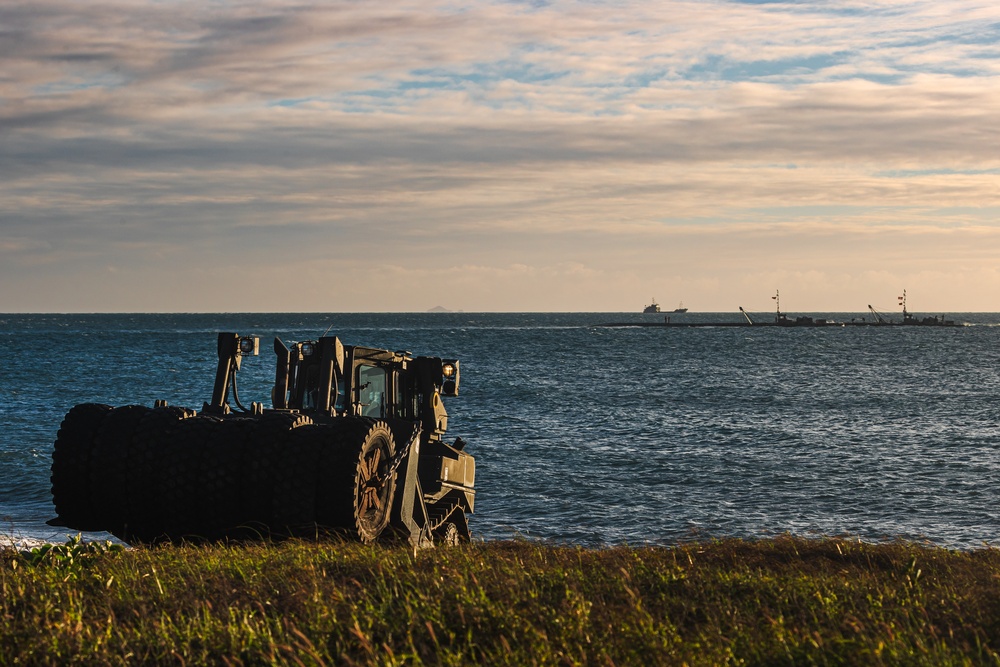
217, 156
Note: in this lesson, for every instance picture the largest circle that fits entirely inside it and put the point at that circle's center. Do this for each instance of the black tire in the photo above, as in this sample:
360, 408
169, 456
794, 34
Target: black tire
71, 464
349, 499
113, 445
296, 479
257, 479
180, 461
143, 522
218, 483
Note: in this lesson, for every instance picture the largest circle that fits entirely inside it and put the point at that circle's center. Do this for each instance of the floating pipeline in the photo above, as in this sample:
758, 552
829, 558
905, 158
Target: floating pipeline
783, 321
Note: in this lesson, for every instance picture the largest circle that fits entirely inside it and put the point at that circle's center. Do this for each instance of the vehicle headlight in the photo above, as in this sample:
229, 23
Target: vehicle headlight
449, 377
249, 345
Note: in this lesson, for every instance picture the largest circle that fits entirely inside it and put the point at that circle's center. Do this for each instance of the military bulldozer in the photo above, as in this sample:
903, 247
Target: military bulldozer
352, 445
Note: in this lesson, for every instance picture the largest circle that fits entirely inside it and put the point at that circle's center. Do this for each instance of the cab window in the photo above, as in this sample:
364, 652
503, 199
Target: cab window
372, 391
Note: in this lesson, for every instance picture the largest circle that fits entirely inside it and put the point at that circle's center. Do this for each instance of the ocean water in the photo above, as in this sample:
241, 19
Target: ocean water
592, 435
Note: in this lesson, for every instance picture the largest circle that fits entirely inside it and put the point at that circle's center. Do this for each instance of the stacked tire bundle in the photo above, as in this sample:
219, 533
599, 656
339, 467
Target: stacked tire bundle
148, 474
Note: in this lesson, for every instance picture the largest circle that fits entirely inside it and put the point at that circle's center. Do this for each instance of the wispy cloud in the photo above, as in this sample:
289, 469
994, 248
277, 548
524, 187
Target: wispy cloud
507, 134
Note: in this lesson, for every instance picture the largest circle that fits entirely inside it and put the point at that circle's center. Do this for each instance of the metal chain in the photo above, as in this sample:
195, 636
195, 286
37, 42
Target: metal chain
397, 458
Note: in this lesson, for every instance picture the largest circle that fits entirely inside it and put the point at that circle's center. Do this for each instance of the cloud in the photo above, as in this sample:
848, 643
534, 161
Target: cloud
145, 135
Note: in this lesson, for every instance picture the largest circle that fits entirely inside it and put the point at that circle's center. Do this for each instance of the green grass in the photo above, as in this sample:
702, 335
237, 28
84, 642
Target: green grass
782, 601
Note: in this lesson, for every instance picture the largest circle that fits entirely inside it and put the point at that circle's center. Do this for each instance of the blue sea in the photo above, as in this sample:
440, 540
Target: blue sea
592, 435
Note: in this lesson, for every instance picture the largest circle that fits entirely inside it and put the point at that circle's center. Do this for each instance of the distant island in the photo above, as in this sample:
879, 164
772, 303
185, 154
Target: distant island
440, 309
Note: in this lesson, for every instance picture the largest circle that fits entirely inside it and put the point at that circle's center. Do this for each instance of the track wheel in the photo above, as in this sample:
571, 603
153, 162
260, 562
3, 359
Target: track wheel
447, 535
359, 488
454, 531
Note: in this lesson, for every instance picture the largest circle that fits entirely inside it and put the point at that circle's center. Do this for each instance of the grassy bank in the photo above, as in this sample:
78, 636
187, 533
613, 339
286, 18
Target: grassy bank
782, 601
